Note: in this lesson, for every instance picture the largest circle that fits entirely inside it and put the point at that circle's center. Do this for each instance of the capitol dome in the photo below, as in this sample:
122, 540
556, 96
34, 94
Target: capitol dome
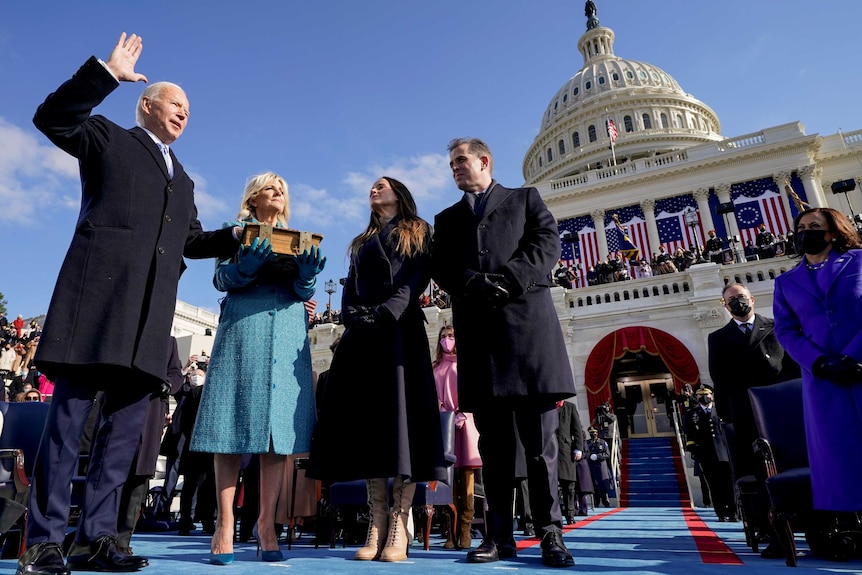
651, 112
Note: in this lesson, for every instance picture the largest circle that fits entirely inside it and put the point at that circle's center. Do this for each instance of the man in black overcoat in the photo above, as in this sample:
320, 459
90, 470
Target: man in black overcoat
493, 252
745, 353
109, 321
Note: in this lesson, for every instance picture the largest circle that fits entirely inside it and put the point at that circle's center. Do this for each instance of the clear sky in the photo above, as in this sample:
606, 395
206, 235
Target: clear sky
333, 94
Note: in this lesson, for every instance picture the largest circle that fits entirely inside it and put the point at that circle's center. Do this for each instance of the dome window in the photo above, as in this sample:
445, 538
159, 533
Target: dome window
576, 90
555, 106
647, 121
565, 98
627, 121
678, 121
616, 77
642, 74
592, 132
629, 75
588, 85
664, 121
562, 146
576, 140
550, 155
601, 80
540, 161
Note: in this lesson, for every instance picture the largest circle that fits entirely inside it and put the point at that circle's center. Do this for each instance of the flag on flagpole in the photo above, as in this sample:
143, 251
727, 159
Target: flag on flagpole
612, 131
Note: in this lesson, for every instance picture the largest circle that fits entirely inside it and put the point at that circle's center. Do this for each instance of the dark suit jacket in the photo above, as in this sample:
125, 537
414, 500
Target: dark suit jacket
738, 362
570, 435
517, 350
116, 292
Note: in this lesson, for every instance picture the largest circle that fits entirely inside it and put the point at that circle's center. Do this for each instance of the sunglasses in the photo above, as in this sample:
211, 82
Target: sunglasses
32, 398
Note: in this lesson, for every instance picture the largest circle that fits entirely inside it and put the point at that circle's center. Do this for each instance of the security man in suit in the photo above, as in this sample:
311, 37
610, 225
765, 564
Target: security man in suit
707, 444
109, 321
493, 252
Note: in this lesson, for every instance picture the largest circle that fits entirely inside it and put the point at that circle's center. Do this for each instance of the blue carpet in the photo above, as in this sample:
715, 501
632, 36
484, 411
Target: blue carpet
631, 541
650, 473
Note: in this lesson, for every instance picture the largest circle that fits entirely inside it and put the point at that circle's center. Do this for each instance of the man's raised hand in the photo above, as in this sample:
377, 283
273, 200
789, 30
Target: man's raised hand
123, 58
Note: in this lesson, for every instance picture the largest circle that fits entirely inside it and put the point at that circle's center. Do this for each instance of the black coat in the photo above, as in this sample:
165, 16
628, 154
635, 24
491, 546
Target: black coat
517, 350
570, 436
378, 415
154, 424
116, 292
738, 362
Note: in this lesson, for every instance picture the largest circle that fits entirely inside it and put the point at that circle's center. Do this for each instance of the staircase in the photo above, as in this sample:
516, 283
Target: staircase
652, 474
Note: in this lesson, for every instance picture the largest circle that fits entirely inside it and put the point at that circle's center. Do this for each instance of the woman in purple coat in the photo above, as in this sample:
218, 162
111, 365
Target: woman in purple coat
818, 310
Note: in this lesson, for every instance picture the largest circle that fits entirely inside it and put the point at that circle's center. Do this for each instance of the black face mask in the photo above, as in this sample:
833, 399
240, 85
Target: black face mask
704, 399
739, 307
811, 242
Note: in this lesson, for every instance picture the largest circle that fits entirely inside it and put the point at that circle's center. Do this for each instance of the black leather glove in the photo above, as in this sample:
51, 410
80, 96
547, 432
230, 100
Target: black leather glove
352, 313
165, 391
491, 289
373, 317
844, 369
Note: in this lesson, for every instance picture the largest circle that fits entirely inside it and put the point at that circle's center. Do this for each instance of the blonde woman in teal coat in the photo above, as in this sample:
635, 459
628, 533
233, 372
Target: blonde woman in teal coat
259, 396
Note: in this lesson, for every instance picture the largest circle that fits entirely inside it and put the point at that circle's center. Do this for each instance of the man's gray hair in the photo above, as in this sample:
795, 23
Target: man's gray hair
151, 92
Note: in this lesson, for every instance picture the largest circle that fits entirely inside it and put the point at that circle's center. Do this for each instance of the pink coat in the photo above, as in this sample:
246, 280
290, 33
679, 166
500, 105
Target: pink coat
466, 434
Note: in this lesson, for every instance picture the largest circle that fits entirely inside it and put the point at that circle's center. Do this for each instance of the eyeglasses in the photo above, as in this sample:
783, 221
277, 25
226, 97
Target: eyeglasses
735, 298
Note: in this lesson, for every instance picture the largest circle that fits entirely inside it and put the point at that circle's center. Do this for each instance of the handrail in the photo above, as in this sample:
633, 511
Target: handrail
677, 427
616, 459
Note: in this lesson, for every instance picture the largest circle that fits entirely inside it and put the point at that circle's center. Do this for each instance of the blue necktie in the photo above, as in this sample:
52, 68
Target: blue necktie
168, 162
745, 327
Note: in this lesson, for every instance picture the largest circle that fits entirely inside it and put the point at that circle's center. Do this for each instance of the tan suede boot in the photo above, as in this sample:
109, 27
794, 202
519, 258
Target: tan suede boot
466, 508
398, 540
378, 524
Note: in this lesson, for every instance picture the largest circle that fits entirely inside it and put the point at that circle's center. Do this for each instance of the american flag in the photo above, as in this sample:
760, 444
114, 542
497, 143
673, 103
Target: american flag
631, 218
585, 251
612, 131
673, 232
758, 202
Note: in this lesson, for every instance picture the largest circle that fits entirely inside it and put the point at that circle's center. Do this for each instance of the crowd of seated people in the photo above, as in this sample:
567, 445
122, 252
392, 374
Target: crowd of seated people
18, 342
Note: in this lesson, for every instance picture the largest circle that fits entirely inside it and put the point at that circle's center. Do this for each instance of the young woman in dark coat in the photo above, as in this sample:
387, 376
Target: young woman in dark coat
379, 416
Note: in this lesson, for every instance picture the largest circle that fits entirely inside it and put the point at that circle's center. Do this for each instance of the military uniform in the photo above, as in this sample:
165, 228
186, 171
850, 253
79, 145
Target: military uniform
707, 444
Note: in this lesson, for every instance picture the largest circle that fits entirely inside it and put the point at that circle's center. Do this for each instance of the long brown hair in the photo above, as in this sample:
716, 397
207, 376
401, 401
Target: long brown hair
438, 356
410, 235
840, 226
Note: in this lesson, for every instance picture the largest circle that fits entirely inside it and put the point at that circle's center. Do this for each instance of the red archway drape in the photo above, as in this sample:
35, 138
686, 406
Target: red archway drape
613, 346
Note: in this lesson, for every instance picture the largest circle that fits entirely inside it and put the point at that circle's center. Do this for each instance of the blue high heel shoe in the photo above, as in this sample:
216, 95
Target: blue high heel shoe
221, 558
268, 556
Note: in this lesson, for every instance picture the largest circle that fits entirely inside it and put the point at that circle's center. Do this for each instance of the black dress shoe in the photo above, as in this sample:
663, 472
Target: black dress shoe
772, 551
554, 552
507, 550
42, 559
529, 530
486, 552
103, 555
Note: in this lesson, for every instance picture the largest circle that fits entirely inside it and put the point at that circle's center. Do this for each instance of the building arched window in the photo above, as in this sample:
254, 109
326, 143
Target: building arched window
664, 121
592, 132
647, 121
576, 140
562, 145
550, 155
627, 121
678, 121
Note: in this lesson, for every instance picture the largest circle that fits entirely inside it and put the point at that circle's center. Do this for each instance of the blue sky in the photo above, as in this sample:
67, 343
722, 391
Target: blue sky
332, 94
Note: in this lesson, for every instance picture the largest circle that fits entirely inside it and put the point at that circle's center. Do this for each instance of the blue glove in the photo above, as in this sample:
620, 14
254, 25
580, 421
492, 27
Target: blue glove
253, 256
309, 264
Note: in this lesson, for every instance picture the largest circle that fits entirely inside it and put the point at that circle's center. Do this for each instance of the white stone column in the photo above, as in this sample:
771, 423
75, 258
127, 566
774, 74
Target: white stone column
701, 196
648, 206
601, 236
723, 193
810, 176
